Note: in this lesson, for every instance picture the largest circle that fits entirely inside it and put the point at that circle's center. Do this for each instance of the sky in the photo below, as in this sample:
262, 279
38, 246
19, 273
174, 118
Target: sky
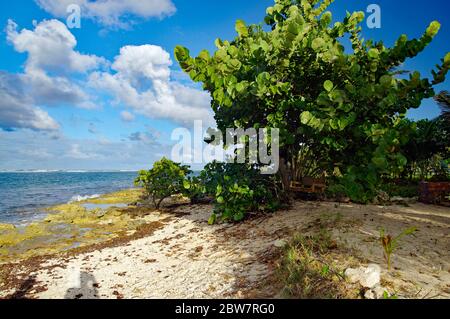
108, 95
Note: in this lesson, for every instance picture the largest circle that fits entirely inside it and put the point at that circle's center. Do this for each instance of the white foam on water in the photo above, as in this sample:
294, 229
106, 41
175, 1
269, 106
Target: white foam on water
80, 198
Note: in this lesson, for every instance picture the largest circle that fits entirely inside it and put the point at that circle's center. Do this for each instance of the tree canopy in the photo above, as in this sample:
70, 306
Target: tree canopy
295, 74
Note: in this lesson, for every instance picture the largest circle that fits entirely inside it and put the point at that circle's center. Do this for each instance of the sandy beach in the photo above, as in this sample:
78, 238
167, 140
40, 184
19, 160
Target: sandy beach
176, 254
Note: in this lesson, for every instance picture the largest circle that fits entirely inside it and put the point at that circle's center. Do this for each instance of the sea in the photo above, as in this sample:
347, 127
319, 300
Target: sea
24, 195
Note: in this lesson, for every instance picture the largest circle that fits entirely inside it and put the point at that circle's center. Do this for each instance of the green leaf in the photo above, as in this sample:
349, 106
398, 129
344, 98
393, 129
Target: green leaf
220, 200
433, 29
235, 64
343, 122
447, 58
293, 28
374, 53
328, 85
212, 219
334, 124
306, 117
240, 87
219, 190
241, 28
379, 161
238, 217
317, 44
402, 160
181, 53
204, 55
326, 18
186, 184
386, 80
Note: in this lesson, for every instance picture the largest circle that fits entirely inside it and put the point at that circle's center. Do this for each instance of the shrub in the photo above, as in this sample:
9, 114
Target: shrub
195, 190
165, 179
238, 189
401, 190
356, 185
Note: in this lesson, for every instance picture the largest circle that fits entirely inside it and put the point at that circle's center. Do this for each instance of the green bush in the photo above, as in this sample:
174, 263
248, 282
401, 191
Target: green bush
238, 189
165, 179
358, 184
400, 190
195, 190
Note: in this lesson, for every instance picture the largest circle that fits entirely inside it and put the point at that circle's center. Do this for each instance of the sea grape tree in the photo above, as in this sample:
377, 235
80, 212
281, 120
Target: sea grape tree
165, 179
295, 74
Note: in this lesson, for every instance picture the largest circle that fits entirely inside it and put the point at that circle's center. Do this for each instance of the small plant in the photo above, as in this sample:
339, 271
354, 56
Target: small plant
387, 296
390, 243
165, 179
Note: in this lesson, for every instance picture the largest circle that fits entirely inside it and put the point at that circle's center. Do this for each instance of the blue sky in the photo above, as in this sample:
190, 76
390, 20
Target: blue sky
81, 98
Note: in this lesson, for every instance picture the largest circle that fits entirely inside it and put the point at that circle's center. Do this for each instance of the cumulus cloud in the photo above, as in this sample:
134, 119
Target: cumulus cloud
112, 13
140, 79
51, 50
17, 110
50, 46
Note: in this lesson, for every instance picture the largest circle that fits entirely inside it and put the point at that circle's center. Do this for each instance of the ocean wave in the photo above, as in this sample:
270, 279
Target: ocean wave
80, 198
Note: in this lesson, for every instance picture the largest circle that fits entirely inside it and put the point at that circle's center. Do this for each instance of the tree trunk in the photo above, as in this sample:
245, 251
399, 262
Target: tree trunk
285, 175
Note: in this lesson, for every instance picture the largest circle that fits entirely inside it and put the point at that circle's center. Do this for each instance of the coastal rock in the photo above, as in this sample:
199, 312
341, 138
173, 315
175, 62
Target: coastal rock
369, 294
367, 277
4, 227
280, 243
379, 292
398, 199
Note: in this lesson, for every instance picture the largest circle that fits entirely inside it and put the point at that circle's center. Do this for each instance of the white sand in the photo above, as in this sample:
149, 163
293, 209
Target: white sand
189, 259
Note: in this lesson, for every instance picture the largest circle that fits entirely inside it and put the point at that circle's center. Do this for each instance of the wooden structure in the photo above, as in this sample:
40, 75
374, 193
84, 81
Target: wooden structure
309, 185
434, 192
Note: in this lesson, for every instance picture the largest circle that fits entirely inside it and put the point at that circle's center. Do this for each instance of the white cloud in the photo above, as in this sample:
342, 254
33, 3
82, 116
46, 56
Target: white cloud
51, 50
127, 116
56, 74
17, 110
50, 47
112, 13
141, 81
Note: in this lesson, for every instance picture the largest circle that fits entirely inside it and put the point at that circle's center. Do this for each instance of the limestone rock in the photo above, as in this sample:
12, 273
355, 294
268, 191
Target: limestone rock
367, 277
379, 292
369, 294
280, 243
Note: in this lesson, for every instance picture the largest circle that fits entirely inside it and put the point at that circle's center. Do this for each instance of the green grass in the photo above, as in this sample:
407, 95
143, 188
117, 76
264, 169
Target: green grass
307, 269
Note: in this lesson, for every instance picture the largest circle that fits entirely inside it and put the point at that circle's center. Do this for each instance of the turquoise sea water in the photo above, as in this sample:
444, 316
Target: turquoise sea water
23, 195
